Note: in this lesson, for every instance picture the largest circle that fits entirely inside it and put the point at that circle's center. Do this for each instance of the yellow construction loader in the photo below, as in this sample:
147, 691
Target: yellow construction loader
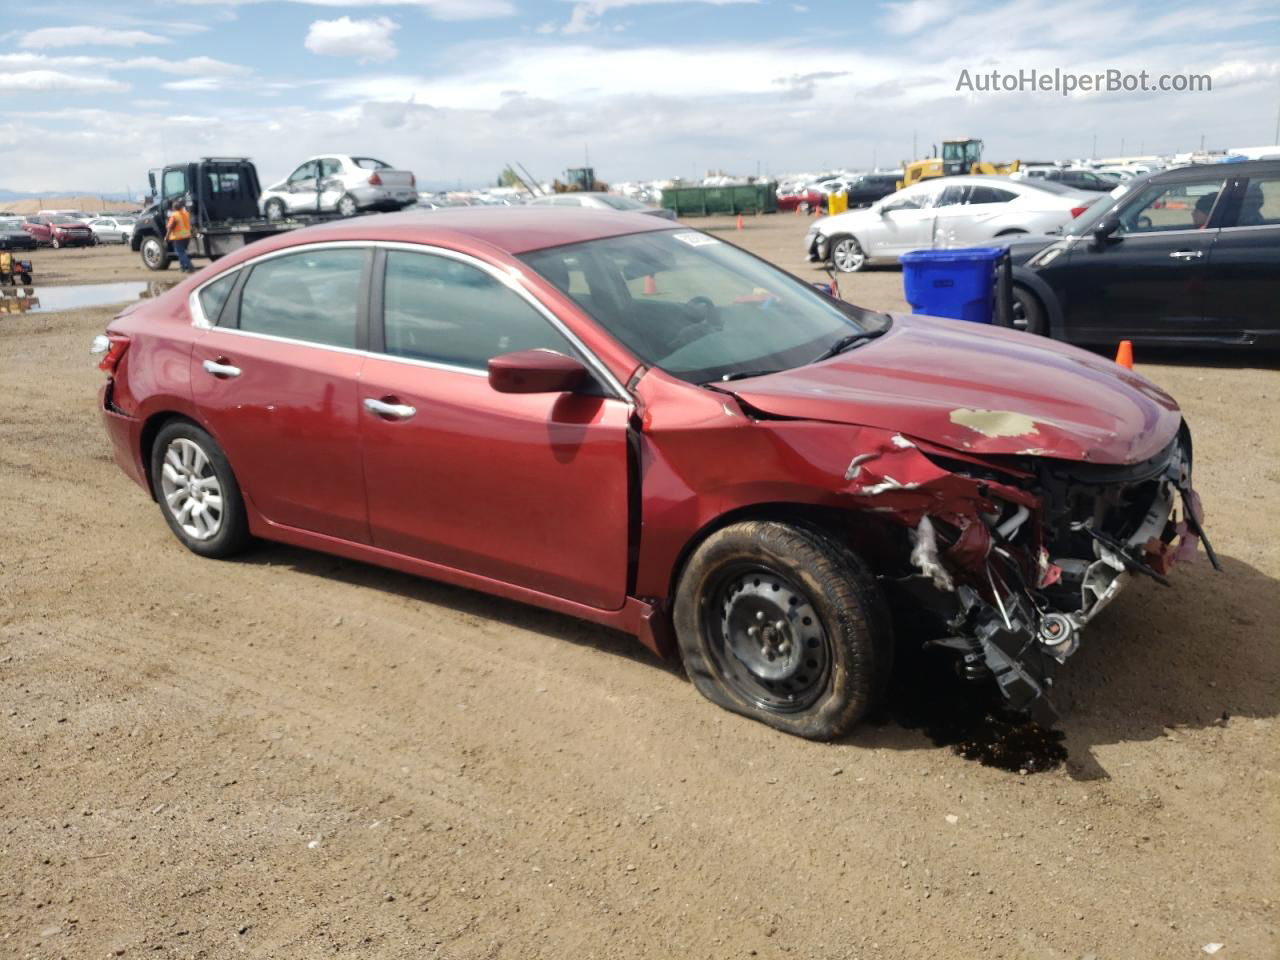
958, 156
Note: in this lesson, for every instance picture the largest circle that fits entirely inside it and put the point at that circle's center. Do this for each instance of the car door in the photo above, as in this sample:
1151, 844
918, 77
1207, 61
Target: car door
1243, 285
300, 188
38, 227
1147, 281
274, 375
951, 212
526, 489
329, 185
904, 222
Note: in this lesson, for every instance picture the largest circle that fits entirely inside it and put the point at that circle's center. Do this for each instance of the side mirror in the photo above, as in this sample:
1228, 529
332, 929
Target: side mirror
1105, 228
536, 371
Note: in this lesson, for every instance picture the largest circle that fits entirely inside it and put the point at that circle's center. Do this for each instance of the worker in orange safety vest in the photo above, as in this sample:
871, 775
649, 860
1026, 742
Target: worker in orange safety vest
178, 232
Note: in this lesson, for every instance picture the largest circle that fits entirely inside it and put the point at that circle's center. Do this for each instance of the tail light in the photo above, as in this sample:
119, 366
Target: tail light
1076, 211
112, 347
375, 180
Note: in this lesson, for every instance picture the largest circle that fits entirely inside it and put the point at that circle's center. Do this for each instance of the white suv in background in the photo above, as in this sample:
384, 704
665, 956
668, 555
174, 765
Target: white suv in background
341, 184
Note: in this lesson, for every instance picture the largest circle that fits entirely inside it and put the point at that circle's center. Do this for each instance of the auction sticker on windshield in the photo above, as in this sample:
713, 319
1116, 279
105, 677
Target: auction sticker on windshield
695, 239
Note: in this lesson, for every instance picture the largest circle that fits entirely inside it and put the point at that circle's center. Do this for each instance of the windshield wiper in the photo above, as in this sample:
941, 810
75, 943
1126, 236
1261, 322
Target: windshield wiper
846, 342
746, 375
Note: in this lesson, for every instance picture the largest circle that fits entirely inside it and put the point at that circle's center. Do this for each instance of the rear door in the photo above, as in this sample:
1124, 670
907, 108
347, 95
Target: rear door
275, 378
1148, 281
1243, 287
330, 183
526, 489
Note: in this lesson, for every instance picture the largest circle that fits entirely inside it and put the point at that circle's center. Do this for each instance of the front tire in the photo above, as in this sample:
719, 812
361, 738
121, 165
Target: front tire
784, 625
847, 254
55, 243
154, 254
1028, 312
274, 209
197, 491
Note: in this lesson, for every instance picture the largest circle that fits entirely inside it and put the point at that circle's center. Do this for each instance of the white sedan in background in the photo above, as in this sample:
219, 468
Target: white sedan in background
112, 229
942, 213
339, 184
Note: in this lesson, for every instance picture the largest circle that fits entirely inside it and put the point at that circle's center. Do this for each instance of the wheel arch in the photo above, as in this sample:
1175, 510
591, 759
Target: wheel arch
1030, 280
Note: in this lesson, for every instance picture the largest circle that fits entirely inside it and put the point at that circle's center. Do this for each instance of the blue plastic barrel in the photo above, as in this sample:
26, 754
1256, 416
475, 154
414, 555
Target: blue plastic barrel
951, 283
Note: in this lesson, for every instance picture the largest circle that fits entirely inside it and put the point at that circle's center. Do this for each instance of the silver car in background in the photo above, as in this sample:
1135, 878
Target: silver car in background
112, 229
342, 184
942, 213
601, 201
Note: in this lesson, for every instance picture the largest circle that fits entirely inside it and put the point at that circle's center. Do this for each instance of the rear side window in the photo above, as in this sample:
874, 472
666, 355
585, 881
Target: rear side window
1260, 206
991, 195
214, 297
443, 311
312, 296
369, 163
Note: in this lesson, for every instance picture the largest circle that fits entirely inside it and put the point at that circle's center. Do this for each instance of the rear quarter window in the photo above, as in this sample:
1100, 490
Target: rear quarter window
214, 297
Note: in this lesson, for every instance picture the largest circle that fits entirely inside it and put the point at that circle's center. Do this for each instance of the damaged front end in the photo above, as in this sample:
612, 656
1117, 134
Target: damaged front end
1017, 584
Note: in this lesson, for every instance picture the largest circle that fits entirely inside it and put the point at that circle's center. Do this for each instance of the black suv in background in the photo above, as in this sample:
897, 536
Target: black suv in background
1185, 256
870, 187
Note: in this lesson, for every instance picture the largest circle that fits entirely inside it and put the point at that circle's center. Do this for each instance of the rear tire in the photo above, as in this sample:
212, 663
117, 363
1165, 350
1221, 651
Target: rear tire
784, 625
347, 206
197, 491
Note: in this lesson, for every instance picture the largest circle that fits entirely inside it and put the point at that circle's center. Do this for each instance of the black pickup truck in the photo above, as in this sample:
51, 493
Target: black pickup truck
222, 197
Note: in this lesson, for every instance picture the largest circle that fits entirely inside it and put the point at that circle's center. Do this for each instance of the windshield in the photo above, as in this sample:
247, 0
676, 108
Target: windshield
1083, 224
7, 223
698, 308
620, 203
63, 220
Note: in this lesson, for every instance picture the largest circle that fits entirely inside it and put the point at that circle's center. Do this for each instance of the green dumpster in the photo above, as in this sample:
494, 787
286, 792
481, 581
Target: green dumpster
711, 201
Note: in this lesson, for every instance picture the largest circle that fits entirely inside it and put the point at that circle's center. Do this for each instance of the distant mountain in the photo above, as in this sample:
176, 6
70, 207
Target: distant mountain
8, 195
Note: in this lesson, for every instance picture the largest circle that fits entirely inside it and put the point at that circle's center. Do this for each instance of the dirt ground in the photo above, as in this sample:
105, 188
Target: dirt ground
291, 755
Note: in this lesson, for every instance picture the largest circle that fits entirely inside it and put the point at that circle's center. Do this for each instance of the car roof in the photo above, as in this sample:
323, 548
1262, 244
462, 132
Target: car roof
515, 230
1195, 171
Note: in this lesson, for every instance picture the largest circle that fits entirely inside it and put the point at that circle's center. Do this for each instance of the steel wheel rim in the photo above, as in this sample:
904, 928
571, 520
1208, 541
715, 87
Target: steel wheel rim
767, 641
151, 251
848, 255
191, 489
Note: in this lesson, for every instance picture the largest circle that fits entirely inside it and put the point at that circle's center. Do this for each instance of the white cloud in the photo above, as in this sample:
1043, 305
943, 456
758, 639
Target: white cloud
439, 9
585, 16
369, 41
44, 80
190, 66
913, 16
87, 36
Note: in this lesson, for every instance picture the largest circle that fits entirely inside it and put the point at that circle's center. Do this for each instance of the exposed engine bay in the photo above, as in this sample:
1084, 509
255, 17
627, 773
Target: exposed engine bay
1016, 588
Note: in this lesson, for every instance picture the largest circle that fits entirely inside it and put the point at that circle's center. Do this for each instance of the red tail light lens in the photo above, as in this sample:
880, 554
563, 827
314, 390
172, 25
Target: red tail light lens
375, 180
116, 347
1076, 211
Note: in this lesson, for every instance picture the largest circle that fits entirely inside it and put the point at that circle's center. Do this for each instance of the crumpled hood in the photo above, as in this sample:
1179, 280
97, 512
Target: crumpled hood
980, 389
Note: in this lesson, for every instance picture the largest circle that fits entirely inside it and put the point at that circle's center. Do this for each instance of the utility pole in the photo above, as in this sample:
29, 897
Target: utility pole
1094, 154
914, 152
1122, 146
1202, 143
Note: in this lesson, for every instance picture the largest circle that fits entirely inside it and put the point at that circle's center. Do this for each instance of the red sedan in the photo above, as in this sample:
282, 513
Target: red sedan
644, 426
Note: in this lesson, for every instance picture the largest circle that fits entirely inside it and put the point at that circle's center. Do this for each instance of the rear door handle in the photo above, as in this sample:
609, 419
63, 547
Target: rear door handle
392, 411
219, 369
1186, 254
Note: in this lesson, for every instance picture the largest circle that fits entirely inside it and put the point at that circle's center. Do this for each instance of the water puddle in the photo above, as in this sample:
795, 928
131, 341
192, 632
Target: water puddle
50, 299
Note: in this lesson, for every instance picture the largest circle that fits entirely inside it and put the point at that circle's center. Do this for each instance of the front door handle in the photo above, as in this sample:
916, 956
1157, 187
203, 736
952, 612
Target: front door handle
220, 369
392, 411
1186, 254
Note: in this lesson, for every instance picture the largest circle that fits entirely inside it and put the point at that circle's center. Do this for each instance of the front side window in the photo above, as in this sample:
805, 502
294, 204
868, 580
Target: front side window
441, 310
305, 172
313, 295
910, 199
1174, 206
175, 183
699, 308
953, 196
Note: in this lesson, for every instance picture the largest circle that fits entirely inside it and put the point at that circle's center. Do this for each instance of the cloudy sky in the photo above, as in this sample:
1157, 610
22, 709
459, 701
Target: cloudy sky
454, 89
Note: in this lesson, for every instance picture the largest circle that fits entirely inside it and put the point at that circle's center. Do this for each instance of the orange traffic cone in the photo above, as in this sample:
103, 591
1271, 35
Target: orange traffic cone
650, 286
739, 221
1124, 356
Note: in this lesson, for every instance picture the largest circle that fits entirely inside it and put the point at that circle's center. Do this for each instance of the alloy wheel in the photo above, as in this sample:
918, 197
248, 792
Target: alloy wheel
191, 489
847, 255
